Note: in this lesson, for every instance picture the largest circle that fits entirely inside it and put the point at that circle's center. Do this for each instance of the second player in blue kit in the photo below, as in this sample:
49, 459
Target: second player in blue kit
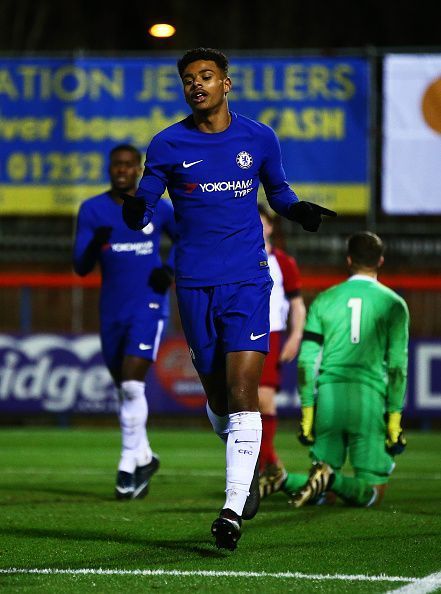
133, 306
212, 163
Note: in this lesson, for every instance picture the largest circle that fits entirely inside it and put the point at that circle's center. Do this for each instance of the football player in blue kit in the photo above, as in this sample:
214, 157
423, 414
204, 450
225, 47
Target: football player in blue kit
133, 306
212, 162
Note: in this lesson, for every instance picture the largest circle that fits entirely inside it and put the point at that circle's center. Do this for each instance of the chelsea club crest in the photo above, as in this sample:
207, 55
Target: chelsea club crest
244, 160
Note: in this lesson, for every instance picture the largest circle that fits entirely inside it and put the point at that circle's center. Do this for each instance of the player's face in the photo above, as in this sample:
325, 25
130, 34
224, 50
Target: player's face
267, 228
124, 171
205, 85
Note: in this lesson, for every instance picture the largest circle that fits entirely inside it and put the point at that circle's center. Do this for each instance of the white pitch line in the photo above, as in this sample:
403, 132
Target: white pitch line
237, 574
430, 583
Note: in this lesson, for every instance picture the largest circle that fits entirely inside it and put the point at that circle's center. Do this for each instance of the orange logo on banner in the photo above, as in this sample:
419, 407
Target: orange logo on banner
431, 106
176, 374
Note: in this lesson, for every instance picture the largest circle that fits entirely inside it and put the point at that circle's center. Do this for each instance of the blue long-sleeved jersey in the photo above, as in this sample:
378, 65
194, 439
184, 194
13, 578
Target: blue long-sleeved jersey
128, 258
213, 180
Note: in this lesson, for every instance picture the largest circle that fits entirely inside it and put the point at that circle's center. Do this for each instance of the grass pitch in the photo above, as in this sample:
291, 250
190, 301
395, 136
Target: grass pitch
62, 531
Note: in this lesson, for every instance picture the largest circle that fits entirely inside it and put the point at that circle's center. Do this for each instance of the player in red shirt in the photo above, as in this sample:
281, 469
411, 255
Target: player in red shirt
287, 318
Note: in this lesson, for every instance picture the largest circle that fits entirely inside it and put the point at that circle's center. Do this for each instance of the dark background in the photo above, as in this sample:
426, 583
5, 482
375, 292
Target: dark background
280, 26
228, 24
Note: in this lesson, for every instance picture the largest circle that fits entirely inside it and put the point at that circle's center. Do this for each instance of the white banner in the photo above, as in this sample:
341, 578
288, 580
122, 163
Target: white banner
412, 134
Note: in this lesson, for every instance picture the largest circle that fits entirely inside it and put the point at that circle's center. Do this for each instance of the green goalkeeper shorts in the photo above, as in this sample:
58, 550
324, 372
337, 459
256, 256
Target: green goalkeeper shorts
349, 421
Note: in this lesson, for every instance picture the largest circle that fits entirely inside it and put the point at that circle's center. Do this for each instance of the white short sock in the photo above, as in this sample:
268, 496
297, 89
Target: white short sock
243, 446
220, 424
136, 449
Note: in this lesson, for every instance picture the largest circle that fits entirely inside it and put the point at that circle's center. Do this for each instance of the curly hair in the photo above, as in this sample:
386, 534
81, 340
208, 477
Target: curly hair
203, 53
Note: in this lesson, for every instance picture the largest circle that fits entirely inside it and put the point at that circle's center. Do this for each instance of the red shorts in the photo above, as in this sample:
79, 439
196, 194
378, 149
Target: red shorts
271, 368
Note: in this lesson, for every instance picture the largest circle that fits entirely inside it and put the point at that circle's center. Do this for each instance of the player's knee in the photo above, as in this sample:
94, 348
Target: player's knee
134, 369
242, 396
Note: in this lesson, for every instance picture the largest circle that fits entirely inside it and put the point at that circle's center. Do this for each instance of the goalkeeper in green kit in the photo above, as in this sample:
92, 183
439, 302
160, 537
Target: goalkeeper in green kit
352, 406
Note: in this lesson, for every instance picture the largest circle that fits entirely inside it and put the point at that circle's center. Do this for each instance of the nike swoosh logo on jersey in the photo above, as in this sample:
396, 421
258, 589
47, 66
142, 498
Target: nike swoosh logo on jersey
255, 337
145, 347
186, 165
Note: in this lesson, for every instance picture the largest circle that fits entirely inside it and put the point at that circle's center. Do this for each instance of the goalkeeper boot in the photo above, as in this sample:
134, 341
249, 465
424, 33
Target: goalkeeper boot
226, 529
272, 479
321, 477
143, 474
125, 485
252, 503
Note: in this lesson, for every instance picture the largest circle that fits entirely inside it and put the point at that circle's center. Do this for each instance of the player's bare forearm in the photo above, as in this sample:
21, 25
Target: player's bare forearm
296, 323
290, 348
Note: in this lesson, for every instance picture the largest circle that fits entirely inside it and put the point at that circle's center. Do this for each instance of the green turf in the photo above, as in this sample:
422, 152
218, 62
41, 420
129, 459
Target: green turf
57, 511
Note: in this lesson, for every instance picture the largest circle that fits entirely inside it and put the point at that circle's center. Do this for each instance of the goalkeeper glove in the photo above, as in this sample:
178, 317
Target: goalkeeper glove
133, 210
308, 214
395, 440
305, 435
161, 278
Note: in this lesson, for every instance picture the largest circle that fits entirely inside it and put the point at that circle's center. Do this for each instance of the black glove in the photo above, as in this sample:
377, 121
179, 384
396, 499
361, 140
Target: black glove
133, 210
100, 237
398, 447
161, 278
308, 214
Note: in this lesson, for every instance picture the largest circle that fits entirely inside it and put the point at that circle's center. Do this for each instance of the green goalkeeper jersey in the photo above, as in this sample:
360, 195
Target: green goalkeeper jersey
361, 329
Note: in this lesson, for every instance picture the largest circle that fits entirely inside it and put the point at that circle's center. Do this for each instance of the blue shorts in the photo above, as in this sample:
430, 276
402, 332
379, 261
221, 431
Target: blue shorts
138, 335
219, 320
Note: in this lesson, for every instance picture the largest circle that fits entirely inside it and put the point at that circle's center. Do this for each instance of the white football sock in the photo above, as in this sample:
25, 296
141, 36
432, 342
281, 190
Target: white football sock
243, 445
133, 418
144, 452
220, 423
